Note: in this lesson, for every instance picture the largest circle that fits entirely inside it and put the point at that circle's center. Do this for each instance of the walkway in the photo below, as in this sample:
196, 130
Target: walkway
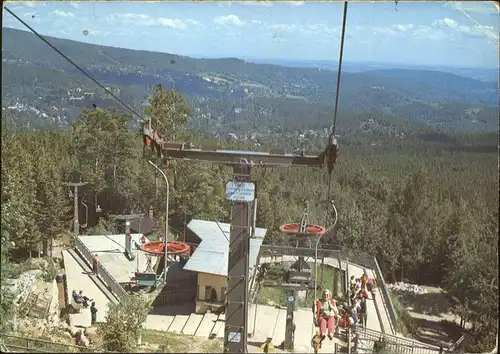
78, 279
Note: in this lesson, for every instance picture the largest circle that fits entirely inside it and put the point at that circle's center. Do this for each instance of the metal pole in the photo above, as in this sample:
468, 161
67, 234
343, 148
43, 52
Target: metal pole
316, 251
166, 219
235, 332
76, 229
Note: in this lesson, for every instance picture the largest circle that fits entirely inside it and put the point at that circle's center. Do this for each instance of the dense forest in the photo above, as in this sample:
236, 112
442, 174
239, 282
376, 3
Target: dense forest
425, 204
231, 95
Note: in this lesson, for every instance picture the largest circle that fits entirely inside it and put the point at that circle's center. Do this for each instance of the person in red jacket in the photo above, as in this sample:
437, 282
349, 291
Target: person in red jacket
326, 314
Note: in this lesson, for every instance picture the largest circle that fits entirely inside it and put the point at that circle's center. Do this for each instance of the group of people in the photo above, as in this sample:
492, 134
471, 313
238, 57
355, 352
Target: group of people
82, 300
328, 317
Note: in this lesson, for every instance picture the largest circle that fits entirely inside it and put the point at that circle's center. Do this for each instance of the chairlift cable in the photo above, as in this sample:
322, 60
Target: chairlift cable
74, 64
335, 112
339, 71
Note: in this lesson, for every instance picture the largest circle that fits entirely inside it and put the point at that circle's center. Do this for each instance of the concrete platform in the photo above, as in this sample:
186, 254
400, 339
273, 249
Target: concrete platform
206, 326
81, 319
178, 324
192, 324
110, 250
219, 328
159, 322
77, 279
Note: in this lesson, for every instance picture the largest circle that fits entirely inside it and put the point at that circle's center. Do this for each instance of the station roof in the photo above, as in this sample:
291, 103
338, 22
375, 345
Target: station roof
212, 255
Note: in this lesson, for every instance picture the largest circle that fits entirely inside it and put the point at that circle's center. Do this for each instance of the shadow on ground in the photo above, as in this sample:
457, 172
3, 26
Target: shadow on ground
174, 310
434, 304
442, 333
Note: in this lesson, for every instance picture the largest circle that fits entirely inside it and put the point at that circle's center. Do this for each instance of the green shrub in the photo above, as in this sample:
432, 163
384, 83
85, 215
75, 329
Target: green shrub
51, 271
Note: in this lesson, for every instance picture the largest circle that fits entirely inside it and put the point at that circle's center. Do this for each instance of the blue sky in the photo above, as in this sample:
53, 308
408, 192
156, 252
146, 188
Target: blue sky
461, 34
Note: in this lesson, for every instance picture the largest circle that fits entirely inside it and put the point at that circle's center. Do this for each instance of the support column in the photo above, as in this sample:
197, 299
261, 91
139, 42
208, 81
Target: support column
76, 226
235, 334
290, 324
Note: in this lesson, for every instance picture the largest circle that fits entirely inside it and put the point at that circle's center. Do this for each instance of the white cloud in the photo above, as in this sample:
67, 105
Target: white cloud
30, 3
377, 30
282, 27
256, 22
402, 28
171, 23
487, 31
256, 3
132, 17
145, 20
478, 7
477, 30
429, 33
228, 20
75, 5
63, 13
295, 3
446, 22
318, 29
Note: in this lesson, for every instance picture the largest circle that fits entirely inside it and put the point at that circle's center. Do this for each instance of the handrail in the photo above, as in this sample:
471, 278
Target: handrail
387, 297
107, 278
64, 347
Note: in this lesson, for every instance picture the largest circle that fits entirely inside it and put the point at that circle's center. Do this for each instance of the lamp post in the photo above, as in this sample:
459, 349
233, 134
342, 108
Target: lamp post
316, 250
166, 218
98, 209
76, 228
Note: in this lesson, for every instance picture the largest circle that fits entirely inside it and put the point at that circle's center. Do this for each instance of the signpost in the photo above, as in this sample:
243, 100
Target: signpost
240, 191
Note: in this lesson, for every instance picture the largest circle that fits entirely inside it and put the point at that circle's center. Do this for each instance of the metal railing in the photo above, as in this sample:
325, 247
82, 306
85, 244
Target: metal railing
367, 338
112, 284
174, 297
36, 345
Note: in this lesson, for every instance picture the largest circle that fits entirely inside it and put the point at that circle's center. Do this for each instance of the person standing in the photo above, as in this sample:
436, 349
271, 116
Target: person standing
363, 315
93, 313
95, 261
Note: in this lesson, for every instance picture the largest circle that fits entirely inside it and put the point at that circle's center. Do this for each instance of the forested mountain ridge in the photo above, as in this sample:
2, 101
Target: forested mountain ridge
35, 75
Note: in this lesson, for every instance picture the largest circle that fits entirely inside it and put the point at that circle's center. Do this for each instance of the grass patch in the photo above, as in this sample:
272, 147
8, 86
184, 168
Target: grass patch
331, 279
406, 324
166, 342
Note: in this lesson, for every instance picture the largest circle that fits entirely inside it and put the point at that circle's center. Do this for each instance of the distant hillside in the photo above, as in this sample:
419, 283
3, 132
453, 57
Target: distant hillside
35, 76
454, 84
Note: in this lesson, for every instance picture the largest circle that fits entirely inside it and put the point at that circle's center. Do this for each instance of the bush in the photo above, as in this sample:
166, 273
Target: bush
123, 323
51, 271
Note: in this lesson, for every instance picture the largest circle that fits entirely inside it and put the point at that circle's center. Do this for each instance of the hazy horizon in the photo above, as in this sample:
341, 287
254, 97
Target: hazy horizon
451, 34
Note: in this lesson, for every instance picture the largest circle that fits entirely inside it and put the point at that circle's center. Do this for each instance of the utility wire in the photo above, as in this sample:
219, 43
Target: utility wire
339, 71
75, 64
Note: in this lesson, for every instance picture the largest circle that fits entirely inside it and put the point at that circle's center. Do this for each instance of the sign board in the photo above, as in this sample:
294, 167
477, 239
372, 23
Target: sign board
240, 191
235, 337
